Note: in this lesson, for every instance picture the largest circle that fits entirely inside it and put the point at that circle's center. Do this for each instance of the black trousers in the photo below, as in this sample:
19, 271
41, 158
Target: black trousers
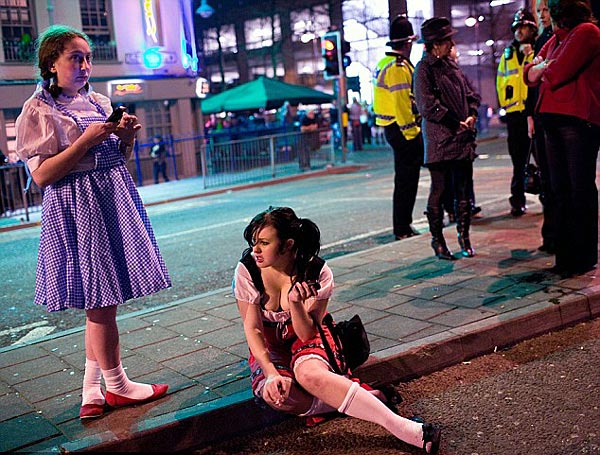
546, 196
572, 150
518, 148
159, 168
408, 159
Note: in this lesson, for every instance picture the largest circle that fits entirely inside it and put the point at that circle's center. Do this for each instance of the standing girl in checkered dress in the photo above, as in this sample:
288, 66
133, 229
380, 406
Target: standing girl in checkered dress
97, 248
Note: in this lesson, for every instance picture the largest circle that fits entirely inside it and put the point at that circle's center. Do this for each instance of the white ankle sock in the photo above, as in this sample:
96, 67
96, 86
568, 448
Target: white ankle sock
363, 405
118, 383
92, 383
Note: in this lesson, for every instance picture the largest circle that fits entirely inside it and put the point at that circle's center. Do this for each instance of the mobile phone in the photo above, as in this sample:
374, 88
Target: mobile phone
314, 284
117, 114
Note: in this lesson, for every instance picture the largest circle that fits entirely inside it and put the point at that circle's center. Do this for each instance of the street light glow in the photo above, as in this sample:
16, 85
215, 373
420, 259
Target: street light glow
500, 2
307, 37
470, 21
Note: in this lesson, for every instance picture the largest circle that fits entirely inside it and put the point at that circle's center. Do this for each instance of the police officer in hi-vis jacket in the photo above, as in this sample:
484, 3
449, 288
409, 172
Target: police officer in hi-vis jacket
395, 111
512, 95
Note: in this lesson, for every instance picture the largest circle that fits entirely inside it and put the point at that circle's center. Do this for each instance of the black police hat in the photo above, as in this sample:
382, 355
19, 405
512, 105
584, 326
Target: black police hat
436, 29
401, 30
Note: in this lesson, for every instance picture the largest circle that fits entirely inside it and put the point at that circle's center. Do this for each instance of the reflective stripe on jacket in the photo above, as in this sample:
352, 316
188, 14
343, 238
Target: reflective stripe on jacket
392, 95
510, 86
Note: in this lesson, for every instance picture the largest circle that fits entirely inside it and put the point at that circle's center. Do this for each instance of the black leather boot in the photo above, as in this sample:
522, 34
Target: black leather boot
435, 216
463, 223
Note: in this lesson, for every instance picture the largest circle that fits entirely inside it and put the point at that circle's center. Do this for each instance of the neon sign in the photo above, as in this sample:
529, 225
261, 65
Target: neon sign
125, 87
150, 19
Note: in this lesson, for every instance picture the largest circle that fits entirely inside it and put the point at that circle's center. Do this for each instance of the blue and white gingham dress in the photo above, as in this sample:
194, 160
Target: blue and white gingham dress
97, 247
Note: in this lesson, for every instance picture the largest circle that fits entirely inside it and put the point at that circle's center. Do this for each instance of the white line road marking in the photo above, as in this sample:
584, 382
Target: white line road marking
36, 333
23, 327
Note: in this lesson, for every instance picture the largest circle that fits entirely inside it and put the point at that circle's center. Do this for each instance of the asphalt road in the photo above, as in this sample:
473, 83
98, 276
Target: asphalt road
539, 397
201, 238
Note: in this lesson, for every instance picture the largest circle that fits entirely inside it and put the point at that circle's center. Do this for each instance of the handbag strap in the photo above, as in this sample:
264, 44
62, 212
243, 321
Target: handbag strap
330, 355
531, 149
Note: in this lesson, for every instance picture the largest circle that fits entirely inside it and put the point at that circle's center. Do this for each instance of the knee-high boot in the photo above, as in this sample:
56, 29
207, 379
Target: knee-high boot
435, 216
463, 223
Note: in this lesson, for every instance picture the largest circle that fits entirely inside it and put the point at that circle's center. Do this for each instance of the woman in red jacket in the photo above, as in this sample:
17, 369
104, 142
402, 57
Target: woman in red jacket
566, 70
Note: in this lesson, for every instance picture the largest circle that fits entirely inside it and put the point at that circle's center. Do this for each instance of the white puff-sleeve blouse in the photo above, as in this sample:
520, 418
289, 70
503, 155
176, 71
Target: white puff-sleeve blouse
43, 131
245, 290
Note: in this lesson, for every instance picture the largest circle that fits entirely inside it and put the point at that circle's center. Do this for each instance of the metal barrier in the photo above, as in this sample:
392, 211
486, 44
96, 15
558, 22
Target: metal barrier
14, 200
226, 162
220, 163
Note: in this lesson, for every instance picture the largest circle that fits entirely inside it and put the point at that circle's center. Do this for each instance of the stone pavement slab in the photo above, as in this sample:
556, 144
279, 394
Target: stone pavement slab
421, 314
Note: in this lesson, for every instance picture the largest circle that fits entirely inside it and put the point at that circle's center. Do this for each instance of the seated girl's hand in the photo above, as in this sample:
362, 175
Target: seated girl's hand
277, 389
302, 291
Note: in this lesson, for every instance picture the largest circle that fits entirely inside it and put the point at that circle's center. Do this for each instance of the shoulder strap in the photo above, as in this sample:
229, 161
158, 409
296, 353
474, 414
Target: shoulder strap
328, 321
250, 264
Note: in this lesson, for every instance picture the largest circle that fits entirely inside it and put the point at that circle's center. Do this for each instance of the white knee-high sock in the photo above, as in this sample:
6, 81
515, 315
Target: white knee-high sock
363, 405
118, 383
92, 383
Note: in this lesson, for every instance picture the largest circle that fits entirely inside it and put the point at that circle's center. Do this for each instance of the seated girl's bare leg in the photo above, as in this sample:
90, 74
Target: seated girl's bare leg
351, 399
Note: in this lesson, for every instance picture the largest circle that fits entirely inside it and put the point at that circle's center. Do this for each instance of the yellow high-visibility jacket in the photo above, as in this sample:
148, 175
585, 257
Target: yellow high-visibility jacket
393, 98
510, 85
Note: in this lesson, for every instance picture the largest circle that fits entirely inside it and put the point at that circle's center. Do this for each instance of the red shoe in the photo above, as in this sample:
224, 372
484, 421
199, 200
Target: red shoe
91, 411
117, 401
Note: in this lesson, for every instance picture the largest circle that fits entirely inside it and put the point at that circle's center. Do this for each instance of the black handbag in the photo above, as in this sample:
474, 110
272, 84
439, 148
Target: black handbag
351, 340
532, 177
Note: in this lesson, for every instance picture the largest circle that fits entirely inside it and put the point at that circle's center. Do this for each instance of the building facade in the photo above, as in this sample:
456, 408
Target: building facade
158, 57
239, 40
144, 58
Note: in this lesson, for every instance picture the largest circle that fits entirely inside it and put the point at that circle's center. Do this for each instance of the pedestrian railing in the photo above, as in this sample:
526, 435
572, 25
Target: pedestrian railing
218, 162
226, 162
14, 200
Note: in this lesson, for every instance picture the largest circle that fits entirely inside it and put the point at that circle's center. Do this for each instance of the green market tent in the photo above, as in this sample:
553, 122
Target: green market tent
262, 93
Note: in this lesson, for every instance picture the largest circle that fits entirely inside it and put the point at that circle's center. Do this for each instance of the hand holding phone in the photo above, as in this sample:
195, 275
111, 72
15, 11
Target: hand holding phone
117, 115
314, 284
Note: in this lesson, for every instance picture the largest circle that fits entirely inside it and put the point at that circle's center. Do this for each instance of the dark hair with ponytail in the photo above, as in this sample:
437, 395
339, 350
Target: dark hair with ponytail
49, 45
304, 232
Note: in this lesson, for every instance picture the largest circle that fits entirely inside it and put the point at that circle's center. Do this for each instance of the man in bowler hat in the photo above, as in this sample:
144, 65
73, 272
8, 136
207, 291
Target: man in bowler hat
395, 110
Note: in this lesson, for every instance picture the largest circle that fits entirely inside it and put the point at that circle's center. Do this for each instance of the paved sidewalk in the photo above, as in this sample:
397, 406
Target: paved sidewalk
421, 314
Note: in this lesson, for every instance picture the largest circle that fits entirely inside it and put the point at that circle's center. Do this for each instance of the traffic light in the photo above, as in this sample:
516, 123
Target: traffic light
330, 50
353, 83
346, 60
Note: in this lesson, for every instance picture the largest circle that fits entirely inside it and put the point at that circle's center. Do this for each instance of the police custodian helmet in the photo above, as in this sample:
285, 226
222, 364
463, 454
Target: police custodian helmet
401, 31
524, 17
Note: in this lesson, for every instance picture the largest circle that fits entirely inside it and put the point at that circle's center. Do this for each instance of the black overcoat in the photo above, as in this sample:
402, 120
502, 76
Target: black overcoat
444, 98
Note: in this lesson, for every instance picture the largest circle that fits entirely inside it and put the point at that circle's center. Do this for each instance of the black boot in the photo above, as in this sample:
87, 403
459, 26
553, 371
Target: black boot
463, 223
435, 216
